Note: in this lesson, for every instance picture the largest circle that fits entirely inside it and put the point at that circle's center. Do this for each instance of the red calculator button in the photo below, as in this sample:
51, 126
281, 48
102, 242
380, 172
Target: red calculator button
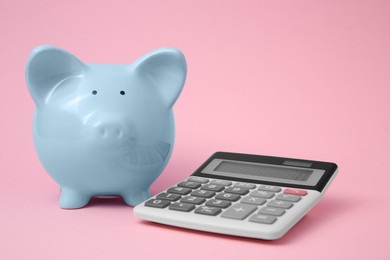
295, 192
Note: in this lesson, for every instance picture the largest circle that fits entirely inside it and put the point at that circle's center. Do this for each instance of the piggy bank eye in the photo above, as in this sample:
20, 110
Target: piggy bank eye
94, 92
122, 92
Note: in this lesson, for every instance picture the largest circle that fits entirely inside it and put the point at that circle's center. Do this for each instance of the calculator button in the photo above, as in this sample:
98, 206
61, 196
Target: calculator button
198, 179
269, 188
262, 194
288, 197
239, 211
189, 184
203, 193
280, 204
168, 196
218, 203
272, 211
263, 219
253, 200
182, 206
221, 182
213, 187
193, 200
179, 190
295, 192
237, 190
245, 185
155, 203
205, 210
228, 196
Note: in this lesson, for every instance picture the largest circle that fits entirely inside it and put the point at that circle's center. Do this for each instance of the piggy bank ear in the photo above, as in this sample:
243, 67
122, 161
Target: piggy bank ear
46, 68
167, 70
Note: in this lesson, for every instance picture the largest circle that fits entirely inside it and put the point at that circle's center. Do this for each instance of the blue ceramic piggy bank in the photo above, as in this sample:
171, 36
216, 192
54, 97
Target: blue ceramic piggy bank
104, 130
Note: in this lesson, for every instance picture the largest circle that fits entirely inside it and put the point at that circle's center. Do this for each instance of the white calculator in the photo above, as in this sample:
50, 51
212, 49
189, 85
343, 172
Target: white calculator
242, 195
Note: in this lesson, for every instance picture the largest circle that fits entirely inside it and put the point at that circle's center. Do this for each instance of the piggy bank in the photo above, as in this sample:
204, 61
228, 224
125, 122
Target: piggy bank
104, 130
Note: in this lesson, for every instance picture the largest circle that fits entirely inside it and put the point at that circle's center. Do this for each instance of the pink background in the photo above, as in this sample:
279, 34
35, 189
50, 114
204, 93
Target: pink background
305, 79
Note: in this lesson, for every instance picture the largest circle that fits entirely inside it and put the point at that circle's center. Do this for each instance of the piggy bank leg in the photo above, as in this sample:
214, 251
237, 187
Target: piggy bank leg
71, 199
133, 199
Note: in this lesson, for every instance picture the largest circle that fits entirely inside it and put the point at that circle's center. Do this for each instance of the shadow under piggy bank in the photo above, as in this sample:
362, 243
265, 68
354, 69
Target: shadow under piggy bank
104, 130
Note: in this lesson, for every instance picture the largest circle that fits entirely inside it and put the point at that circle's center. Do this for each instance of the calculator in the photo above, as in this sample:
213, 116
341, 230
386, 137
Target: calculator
242, 195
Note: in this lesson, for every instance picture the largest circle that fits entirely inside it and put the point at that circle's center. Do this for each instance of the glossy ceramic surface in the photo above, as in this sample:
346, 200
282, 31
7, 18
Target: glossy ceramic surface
104, 129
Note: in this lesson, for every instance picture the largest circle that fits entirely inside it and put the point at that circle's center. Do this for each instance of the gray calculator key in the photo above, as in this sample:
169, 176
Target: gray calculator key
221, 182
205, 210
179, 190
245, 185
239, 211
280, 204
155, 203
203, 193
263, 219
198, 179
218, 203
182, 206
228, 196
270, 188
213, 187
189, 184
193, 200
237, 190
253, 200
272, 211
288, 197
168, 196
262, 194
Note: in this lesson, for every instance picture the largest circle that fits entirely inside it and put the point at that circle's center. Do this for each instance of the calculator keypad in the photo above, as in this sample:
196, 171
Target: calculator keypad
237, 190
213, 187
295, 192
156, 203
270, 188
168, 196
253, 200
193, 200
228, 196
179, 190
280, 204
245, 185
218, 203
182, 207
221, 182
198, 179
206, 210
239, 211
203, 193
263, 204
287, 197
272, 211
262, 194
189, 184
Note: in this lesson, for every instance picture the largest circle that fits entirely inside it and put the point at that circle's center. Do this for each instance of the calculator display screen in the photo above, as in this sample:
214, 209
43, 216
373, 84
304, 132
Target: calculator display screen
264, 172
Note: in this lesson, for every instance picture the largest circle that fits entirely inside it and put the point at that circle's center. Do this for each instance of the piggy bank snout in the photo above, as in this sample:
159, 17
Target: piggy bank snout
109, 128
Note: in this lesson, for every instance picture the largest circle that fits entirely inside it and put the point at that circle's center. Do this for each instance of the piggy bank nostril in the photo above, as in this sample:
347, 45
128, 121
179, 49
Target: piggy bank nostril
109, 131
103, 132
119, 133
